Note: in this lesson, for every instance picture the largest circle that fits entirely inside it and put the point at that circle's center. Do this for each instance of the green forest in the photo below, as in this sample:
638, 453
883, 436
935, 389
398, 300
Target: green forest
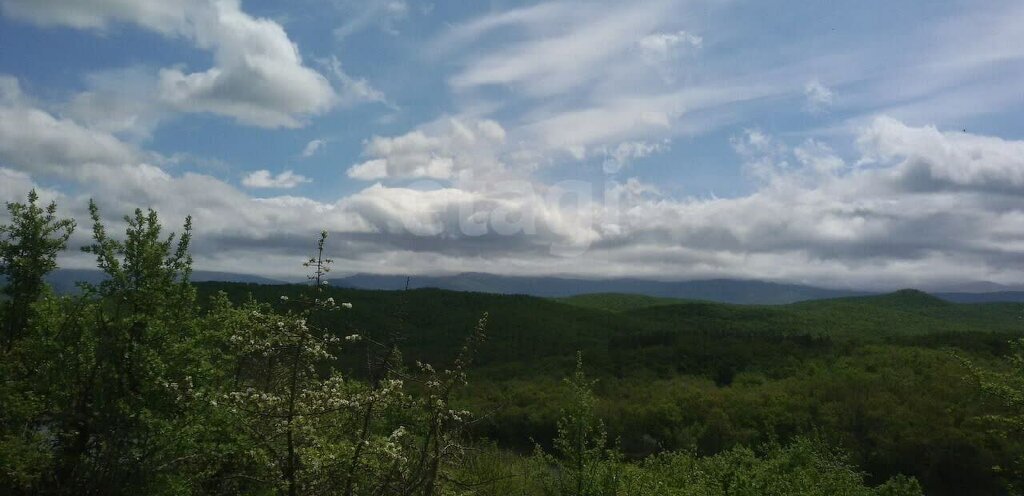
147, 383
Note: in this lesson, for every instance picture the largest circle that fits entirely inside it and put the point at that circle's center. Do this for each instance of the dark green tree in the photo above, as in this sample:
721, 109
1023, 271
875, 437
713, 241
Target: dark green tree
147, 274
29, 246
117, 393
28, 251
583, 463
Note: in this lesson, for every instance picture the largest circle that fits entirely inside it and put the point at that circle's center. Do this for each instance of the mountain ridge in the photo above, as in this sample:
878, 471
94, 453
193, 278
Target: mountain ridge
736, 291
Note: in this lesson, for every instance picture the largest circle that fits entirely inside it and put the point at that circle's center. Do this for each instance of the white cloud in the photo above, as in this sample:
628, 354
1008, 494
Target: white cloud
264, 179
162, 15
624, 117
10, 90
588, 75
927, 159
763, 157
603, 123
564, 45
258, 77
353, 90
120, 102
819, 97
313, 147
384, 14
623, 154
441, 151
34, 140
661, 47
15, 185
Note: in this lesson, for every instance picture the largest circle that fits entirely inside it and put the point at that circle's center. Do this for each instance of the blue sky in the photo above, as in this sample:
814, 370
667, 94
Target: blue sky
864, 144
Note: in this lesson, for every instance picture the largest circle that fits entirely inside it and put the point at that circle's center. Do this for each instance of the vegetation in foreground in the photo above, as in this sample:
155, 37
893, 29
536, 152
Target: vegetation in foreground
144, 385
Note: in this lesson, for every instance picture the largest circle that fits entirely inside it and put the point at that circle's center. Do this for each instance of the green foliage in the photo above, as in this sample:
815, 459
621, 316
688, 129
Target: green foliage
710, 377
804, 467
1007, 386
28, 251
617, 302
147, 275
122, 358
584, 465
308, 429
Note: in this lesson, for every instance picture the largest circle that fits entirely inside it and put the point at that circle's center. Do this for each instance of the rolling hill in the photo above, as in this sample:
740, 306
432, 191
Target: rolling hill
433, 321
720, 290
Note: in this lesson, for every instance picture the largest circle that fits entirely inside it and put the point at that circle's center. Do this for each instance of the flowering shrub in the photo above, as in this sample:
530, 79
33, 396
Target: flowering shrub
322, 433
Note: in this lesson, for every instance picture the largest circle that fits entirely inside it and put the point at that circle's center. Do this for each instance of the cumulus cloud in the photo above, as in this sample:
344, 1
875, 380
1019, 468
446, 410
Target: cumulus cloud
14, 185
264, 179
440, 151
927, 159
120, 102
258, 77
35, 140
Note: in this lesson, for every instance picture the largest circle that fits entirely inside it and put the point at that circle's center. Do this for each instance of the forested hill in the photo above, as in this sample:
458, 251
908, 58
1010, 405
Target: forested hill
739, 291
720, 290
898, 314
433, 321
881, 376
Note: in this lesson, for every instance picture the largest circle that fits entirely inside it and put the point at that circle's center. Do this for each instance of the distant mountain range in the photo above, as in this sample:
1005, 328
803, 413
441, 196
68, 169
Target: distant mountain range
718, 290
64, 280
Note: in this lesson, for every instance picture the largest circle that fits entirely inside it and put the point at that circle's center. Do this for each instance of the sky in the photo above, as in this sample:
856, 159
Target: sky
869, 144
